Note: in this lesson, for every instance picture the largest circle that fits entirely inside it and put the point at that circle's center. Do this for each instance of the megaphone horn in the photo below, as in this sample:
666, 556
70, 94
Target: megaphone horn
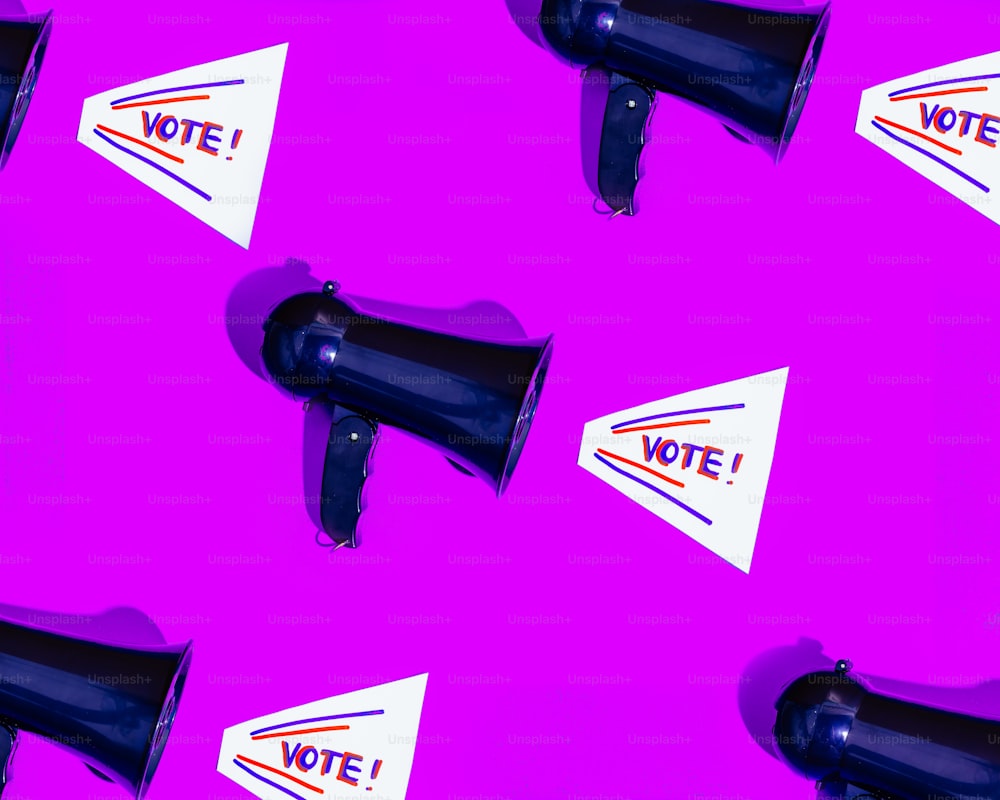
22, 48
111, 705
473, 399
748, 67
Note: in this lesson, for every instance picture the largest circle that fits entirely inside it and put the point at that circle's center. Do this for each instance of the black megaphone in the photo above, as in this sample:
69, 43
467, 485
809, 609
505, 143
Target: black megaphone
750, 68
473, 399
858, 744
111, 705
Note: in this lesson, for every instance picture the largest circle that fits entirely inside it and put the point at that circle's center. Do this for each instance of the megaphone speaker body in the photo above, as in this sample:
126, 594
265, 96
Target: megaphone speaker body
750, 68
111, 705
473, 399
23, 42
832, 728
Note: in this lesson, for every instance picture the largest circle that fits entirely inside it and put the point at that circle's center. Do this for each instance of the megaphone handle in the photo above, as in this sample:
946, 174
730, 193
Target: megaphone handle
627, 114
8, 744
345, 468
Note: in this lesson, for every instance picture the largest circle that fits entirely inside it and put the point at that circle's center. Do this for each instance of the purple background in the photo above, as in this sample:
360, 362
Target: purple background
873, 285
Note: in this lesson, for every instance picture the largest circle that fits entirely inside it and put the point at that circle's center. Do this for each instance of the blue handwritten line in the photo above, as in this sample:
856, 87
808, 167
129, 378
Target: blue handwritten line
944, 83
269, 783
678, 414
660, 492
315, 719
177, 89
153, 164
940, 161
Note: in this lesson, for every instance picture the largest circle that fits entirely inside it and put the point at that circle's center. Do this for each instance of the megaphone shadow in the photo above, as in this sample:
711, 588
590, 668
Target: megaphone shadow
121, 624
524, 13
256, 294
769, 673
764, 678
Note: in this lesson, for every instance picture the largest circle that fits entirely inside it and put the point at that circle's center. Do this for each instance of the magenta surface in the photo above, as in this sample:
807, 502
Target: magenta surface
577, 646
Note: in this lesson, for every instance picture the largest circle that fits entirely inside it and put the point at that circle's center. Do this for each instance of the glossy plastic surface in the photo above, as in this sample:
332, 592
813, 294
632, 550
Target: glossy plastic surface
831, 727
110, 705
22, 47
751, 68
474, 399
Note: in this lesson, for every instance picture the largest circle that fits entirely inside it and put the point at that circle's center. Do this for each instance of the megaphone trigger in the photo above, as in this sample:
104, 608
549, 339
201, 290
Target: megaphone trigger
838, 790
345, 469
